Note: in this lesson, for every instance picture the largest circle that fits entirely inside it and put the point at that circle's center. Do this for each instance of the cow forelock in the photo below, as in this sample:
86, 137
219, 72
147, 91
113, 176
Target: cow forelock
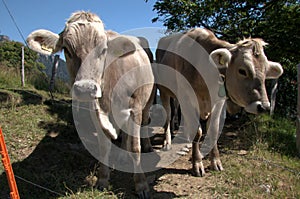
82, 16
83, 31
81, 38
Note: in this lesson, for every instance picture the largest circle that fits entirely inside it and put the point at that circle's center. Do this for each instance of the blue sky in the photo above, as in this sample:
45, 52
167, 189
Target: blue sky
124, 16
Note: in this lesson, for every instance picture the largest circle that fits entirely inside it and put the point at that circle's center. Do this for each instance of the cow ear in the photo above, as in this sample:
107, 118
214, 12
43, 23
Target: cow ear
43, 41
121, 46
274, 70
221, 57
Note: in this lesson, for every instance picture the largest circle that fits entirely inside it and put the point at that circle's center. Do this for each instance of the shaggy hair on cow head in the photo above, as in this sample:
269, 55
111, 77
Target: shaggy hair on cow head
82, 16
83, 31
256, 43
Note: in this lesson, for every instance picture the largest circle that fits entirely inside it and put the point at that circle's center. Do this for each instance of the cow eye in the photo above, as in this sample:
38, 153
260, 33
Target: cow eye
243, 72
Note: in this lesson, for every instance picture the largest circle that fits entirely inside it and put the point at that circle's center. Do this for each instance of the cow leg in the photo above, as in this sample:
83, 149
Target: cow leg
103, 172
104, 143
134, 146
175, 115
145, 140
198, 168
215, 161
214, 156
166, 104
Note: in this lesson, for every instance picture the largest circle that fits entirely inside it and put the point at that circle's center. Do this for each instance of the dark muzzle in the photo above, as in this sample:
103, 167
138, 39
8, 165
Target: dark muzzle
258, 107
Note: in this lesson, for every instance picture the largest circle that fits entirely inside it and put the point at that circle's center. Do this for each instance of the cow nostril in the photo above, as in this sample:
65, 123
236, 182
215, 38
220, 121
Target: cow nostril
95, 88
261, 108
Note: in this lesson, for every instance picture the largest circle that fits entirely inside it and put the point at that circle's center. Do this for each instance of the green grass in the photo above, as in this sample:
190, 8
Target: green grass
9, 77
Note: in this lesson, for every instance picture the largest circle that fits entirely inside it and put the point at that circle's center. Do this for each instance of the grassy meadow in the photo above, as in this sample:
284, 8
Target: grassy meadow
258, 153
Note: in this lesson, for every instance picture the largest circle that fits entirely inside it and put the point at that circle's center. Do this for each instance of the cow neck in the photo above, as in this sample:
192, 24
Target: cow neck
223, 76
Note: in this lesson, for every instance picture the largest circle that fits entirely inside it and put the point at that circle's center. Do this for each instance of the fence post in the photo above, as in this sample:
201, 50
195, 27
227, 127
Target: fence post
22, 69
298, 111
53, 74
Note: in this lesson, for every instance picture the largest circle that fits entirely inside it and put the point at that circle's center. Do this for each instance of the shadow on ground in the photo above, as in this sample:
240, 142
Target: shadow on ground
60, 163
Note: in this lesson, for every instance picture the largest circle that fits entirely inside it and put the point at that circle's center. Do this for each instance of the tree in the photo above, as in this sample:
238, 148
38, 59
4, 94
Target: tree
10, 55
276, 21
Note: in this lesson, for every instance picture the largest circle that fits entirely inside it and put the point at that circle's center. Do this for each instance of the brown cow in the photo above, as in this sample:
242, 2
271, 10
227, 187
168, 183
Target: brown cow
97, 62
243, 66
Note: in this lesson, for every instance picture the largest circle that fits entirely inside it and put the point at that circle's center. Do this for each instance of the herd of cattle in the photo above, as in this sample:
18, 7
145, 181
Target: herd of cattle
98, 60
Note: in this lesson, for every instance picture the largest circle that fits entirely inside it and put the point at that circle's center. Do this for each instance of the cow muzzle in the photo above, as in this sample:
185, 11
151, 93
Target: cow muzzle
86, 90
258, 107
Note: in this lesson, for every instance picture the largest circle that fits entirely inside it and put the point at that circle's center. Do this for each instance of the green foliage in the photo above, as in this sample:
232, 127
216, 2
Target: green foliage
277, 22
9, 77
11, 56
10, 64
277, 133
286, 98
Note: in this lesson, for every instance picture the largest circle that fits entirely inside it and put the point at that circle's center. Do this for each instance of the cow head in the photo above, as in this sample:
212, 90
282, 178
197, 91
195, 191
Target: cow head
83, 34
247, 69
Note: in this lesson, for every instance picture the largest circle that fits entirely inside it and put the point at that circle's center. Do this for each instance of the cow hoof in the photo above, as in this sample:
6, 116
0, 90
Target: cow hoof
102, 185
216, 165
198, 169
166, 147
143, 195
147, 149
198, 173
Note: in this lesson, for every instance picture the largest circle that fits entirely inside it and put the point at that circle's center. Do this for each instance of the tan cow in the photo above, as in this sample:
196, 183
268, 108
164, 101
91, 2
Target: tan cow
106, 70
243, 66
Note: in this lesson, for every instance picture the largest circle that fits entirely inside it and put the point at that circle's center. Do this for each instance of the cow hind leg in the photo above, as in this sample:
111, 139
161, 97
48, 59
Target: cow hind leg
167, 106
134, 147
145, 138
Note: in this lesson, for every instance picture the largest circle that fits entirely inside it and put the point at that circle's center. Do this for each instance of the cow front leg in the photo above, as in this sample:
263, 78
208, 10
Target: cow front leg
214, 156
134, 147
198, 168
103, 172
104, 146
215, 161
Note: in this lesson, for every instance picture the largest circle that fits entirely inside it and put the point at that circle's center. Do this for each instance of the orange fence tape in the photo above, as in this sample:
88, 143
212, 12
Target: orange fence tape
14, 194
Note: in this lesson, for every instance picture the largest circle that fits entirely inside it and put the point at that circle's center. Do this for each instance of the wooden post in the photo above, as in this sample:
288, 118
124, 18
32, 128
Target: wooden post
298, 113
22, 69
274, 84
54, 71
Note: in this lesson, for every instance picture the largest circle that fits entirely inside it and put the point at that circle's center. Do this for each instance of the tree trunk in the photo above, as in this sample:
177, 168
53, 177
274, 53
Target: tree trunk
298, 113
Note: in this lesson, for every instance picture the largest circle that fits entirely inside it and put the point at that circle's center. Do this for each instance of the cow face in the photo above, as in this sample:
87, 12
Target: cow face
246, 72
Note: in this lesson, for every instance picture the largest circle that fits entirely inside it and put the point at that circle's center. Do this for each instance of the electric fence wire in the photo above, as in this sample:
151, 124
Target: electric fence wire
39, 186
14, 21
